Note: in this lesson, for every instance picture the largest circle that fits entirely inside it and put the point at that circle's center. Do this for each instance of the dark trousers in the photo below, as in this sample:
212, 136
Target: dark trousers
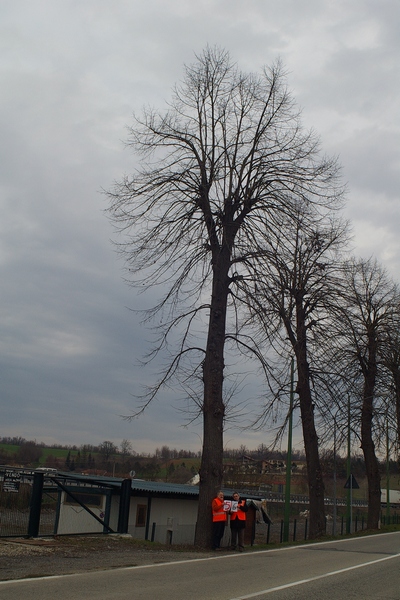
218, 533
237, 535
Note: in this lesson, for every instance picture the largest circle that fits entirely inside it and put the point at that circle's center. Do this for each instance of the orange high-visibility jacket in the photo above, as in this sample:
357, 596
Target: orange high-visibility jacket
218, 513
240, 514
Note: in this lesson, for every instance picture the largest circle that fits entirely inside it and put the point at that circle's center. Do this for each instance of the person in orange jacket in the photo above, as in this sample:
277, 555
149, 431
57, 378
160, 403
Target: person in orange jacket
219, 517
238, 522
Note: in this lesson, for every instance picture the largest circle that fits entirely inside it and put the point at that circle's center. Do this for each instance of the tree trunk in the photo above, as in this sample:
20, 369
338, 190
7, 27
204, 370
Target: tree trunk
316, 490
368, 448
315, 481
211, 468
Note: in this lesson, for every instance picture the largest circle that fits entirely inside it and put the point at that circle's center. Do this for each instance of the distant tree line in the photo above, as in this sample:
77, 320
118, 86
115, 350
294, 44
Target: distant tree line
165, 463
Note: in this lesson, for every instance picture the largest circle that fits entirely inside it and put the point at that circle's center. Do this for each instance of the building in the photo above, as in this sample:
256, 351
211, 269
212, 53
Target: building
147, 510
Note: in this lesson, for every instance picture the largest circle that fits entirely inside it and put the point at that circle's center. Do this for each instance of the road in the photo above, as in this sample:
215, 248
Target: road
364, 569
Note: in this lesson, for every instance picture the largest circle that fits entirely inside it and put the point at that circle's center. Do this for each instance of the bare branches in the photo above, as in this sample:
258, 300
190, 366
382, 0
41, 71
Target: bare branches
367, 305
218, 167
222, 170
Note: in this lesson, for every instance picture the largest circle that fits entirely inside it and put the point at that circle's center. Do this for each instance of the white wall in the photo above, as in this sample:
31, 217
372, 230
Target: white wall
75, 519
175, 520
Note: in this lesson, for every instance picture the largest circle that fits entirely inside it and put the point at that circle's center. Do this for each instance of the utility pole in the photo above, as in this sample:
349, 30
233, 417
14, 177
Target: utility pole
334, 479
349, 491
387, 473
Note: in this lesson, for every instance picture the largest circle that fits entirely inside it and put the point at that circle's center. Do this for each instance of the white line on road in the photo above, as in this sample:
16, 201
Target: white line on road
302, 581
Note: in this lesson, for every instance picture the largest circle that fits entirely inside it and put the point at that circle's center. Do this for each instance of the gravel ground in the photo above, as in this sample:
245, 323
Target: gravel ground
21, 558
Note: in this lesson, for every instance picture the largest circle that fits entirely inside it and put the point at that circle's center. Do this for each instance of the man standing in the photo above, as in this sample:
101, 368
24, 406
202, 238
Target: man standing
219, 517
238, 521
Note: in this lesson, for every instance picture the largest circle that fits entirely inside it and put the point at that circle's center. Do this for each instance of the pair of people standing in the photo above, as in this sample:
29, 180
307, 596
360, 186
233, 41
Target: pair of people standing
237, 520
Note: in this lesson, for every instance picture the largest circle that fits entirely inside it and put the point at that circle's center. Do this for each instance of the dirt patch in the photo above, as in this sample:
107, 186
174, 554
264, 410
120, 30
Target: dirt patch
21, 558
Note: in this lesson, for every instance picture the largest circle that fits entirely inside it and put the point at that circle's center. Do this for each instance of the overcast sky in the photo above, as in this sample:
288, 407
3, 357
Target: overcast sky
72, 72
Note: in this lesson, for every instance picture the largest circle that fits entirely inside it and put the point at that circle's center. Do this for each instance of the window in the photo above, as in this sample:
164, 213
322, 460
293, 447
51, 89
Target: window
141, 512
94, 500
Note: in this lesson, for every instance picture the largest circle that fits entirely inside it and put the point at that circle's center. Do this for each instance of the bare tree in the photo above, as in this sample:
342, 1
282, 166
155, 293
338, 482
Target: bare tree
126, 449
366, 305
218, 166
390, 357
29, 453
301, 261
107, 449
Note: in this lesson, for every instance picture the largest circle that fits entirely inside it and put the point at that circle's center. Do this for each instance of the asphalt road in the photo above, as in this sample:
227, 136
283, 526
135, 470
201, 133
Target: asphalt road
364, 569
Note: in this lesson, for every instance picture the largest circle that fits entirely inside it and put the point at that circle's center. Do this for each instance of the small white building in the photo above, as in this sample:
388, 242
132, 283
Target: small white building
147, 510
154, 511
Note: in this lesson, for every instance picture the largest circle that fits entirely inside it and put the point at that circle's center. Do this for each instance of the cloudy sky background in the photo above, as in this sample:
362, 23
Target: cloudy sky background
71, 74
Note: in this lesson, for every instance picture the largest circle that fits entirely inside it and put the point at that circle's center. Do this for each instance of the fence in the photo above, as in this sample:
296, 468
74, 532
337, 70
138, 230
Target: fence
273, 533
15, 499
29, 504
29, 507
298, 528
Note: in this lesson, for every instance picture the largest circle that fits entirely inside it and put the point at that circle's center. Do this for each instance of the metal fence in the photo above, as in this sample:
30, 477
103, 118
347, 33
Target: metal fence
273, 533
15, 495
29, 503
29, 507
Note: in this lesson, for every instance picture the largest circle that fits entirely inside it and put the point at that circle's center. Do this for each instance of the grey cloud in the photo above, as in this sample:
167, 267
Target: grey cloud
71, 76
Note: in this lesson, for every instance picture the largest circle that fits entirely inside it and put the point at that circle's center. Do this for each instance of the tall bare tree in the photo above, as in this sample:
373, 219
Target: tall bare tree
367, 302
218, 166
301, 262
390, 356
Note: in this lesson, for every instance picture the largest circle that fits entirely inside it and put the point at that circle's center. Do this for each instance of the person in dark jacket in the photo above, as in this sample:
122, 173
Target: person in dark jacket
238, 521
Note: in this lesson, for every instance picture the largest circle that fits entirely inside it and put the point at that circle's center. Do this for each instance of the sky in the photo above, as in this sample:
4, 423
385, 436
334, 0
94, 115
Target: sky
72, 72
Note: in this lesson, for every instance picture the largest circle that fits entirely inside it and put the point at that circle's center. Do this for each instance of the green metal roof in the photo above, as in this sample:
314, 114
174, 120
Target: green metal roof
139, 485
142, 486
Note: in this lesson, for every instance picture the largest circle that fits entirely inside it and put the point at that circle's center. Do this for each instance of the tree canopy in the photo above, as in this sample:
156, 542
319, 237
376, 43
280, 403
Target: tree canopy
221, 169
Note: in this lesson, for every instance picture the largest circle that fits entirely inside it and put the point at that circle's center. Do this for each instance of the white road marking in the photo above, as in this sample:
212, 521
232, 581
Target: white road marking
302, 581
220, 557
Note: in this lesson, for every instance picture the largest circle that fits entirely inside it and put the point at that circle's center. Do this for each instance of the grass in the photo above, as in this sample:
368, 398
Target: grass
9, 448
